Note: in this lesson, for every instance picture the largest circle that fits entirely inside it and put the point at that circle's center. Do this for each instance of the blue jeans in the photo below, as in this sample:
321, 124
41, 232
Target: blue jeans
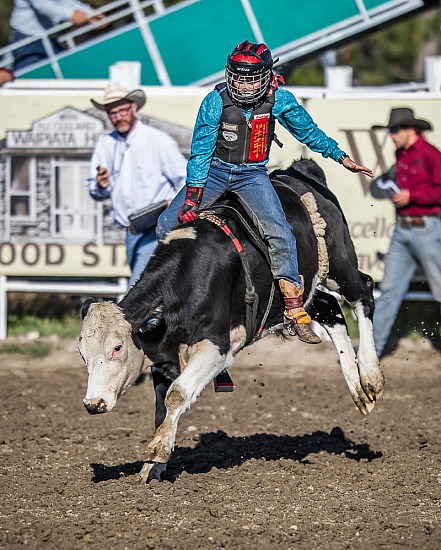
139, 248
408, 249
31, 53
255, 192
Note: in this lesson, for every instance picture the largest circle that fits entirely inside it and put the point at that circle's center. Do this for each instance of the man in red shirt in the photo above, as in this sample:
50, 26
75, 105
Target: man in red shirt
416, 240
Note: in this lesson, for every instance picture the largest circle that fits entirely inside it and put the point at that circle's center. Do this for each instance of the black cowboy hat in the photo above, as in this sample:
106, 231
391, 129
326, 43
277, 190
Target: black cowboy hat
404, 117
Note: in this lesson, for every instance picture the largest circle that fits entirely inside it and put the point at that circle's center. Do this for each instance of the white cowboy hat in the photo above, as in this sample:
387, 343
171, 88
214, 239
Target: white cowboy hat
114, 93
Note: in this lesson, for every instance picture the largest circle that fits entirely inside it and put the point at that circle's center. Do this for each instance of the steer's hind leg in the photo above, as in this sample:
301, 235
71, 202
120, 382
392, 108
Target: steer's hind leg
371, 376
204, 363
326, 310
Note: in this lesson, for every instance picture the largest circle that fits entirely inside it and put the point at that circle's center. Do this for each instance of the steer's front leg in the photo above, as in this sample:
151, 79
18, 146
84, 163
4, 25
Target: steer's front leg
204, 363
163, 376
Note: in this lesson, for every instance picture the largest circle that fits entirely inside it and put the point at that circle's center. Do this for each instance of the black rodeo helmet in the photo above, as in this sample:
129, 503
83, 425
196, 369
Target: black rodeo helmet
249, 64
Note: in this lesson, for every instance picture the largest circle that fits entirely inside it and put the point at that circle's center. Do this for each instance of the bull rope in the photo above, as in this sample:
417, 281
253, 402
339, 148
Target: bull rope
251, 297
319, 227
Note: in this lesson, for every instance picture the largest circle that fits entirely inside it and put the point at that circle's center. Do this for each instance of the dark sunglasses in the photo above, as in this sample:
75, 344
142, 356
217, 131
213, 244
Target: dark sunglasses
395, 129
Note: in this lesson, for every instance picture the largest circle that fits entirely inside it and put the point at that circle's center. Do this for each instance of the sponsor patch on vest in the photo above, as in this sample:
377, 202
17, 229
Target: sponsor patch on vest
259, 132
259, 117
227, 126
229, 136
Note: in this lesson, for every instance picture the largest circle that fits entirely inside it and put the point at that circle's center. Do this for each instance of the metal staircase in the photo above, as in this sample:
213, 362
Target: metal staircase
187, 43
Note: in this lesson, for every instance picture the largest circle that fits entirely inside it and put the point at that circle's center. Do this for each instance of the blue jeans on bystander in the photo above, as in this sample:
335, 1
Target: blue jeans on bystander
139, 248
30, 53
409, 248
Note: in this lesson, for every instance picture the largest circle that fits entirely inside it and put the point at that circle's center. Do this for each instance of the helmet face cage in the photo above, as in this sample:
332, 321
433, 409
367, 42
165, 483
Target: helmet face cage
247, 89
248, 73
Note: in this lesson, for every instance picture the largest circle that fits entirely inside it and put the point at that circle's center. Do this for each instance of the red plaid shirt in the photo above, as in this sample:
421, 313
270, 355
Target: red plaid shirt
419, 170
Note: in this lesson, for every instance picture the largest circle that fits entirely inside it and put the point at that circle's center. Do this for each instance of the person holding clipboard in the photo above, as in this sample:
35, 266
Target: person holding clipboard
414, 187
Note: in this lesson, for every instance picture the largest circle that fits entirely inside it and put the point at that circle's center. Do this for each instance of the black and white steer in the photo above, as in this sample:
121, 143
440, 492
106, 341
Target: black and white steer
200, 300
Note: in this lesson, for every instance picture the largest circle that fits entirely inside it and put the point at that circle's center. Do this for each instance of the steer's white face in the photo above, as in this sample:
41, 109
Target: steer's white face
113, 361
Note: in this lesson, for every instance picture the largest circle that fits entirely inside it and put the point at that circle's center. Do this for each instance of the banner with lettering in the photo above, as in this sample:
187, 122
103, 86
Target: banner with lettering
49, 226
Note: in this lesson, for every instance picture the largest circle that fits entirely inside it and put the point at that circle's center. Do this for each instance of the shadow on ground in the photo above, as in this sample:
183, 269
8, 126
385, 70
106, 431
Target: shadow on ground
221, 451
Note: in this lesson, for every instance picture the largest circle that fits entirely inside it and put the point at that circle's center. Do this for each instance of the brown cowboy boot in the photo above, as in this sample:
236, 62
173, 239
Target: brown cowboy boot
296, 320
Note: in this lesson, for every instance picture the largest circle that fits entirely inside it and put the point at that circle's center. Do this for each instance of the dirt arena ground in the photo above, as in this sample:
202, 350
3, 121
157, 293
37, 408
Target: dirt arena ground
286, 461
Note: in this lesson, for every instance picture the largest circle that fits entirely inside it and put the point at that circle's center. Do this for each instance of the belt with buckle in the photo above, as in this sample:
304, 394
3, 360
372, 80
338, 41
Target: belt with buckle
412, 221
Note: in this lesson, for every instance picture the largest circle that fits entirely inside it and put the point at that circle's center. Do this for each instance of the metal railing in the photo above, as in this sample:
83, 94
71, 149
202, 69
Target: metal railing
117, 12
125, 16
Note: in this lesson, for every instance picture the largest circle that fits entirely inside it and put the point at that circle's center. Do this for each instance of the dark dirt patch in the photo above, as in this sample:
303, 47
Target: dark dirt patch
286, 461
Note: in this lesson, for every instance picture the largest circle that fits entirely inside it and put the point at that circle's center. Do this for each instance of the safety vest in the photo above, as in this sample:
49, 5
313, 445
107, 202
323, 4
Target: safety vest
242, 141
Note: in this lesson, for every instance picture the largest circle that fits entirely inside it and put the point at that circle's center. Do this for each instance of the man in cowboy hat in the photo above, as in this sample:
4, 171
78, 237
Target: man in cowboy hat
416, 240
135, 166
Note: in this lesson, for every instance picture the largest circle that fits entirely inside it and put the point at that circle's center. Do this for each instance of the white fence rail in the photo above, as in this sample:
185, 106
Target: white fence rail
109, 289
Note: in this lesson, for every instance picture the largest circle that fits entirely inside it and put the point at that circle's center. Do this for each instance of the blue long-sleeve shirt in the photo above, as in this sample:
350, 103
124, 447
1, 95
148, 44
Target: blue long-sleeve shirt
32, 17
286, 110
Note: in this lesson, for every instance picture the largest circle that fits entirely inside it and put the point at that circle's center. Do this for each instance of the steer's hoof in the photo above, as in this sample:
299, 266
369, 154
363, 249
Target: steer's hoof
151, 471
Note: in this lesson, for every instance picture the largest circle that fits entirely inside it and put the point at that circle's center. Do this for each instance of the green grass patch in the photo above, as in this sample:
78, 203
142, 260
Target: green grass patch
350, 320
32, 349
66, 327
414, 320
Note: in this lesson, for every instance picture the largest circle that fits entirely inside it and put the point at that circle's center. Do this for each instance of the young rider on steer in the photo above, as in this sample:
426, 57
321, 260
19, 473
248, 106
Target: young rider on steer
230, 148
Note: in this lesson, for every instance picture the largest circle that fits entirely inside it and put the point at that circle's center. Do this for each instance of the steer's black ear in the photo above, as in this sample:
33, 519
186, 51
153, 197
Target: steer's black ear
149, 319
85, 307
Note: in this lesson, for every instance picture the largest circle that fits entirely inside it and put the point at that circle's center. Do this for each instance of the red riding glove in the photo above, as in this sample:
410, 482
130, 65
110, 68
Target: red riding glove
193, 198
